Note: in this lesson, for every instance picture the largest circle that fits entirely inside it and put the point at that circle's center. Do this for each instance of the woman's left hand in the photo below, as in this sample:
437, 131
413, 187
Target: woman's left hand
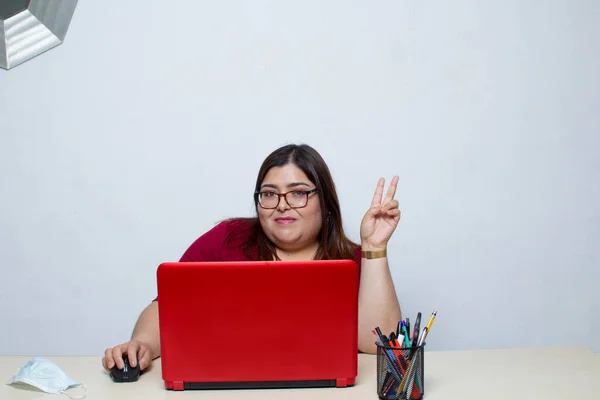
381, 219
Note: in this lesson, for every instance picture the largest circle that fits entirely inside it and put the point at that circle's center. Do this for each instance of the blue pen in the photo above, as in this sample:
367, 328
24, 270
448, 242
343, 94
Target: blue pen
406, 338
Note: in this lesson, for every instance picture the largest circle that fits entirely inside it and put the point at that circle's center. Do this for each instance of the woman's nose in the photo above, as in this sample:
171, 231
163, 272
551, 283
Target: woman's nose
283, 204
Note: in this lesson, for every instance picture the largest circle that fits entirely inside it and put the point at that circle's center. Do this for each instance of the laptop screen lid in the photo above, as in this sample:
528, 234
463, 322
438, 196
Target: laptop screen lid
258, 324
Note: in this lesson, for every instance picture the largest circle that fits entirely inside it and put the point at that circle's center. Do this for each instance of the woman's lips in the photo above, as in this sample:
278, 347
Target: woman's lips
285, 221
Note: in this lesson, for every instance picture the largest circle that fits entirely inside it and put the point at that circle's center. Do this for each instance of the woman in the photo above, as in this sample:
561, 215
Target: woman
298, 218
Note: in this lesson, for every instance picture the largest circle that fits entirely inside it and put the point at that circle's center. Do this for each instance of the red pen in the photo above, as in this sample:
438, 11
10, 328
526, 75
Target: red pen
399, 354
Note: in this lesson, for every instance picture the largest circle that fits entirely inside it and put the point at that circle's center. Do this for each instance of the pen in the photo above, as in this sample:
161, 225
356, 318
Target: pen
414, 349
376, 338
389, 386
415, 335
415, 342
394, 344
406, 339
399, 353
408, 328
384, 341
379, 335
422, 337
412, 376
384, 384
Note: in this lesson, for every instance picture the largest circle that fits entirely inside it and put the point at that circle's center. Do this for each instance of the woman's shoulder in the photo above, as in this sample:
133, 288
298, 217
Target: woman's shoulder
227, 230
237, 231
218, 242
238, 225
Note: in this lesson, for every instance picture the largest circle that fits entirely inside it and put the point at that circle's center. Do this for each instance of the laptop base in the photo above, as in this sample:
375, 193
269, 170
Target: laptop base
178, 385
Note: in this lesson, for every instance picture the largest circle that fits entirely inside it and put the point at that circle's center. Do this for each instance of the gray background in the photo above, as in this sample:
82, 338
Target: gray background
147, 126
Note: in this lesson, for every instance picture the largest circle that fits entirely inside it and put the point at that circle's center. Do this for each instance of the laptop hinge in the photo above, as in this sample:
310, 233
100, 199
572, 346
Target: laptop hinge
259, 385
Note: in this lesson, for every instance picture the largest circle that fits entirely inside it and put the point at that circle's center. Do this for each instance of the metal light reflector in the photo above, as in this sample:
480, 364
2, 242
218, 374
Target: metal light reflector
30, 27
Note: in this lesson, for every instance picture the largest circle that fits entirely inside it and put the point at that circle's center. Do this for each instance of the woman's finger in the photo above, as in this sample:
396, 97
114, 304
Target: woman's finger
378, 193
392, 189
107, 360
117, 356
144, 358
390, 205
394, 213
372, 212
132, 352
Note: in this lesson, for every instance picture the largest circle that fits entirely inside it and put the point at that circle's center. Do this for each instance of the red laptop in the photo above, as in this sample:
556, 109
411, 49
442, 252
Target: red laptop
281, 324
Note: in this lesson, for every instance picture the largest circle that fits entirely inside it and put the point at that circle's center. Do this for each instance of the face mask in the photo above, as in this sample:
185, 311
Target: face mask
46, 376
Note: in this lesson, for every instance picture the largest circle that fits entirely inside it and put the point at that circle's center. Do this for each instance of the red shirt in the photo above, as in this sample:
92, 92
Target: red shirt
213, 245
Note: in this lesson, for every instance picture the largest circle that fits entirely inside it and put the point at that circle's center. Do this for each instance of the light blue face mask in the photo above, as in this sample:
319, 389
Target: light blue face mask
46, 376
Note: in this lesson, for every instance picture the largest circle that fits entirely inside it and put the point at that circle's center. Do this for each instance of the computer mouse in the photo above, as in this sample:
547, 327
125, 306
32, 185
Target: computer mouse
127, 374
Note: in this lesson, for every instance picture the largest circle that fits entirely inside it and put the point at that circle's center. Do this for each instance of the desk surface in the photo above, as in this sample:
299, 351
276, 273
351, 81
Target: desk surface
544, 373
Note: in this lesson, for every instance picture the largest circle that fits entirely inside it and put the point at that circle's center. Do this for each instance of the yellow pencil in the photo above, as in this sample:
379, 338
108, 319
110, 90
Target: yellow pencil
433, 314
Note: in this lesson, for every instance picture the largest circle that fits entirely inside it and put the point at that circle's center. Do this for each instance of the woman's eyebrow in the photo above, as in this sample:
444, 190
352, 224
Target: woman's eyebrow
268, 185
296, 184
289, 185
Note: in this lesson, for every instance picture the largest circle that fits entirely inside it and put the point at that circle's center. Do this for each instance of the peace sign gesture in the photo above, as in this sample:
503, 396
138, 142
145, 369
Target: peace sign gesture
381, 219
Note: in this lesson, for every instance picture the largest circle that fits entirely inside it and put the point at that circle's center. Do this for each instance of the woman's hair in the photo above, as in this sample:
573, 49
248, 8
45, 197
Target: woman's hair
333, 243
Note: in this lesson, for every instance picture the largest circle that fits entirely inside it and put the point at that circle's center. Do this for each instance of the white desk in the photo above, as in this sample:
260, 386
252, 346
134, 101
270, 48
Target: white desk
544, 373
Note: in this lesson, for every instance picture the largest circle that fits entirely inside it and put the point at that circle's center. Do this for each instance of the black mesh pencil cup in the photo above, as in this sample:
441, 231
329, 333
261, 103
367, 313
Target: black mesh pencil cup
400, 372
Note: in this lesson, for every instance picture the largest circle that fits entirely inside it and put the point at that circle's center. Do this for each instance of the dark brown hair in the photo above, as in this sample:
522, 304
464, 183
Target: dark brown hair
333, 243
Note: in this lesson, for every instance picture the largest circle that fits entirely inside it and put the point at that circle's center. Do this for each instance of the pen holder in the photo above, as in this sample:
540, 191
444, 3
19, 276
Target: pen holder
400, 372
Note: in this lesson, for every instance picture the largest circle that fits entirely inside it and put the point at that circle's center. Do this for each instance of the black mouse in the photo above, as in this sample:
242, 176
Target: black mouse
127, 374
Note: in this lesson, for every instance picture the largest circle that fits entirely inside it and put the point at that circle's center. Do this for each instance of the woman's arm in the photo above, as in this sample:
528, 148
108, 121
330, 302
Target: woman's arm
377, 300
377, 303
146, 329
144, 345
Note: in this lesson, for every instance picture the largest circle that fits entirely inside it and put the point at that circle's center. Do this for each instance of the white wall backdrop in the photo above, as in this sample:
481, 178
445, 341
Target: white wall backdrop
147, 126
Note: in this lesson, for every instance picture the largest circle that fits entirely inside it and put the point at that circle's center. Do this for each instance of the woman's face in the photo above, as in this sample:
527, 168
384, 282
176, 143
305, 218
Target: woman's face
290, 229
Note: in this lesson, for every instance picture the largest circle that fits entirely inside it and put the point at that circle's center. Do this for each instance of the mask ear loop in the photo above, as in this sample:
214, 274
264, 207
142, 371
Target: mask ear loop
80, 397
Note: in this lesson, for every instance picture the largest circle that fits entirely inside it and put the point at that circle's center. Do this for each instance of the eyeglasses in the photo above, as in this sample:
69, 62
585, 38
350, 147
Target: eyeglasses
295, 198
